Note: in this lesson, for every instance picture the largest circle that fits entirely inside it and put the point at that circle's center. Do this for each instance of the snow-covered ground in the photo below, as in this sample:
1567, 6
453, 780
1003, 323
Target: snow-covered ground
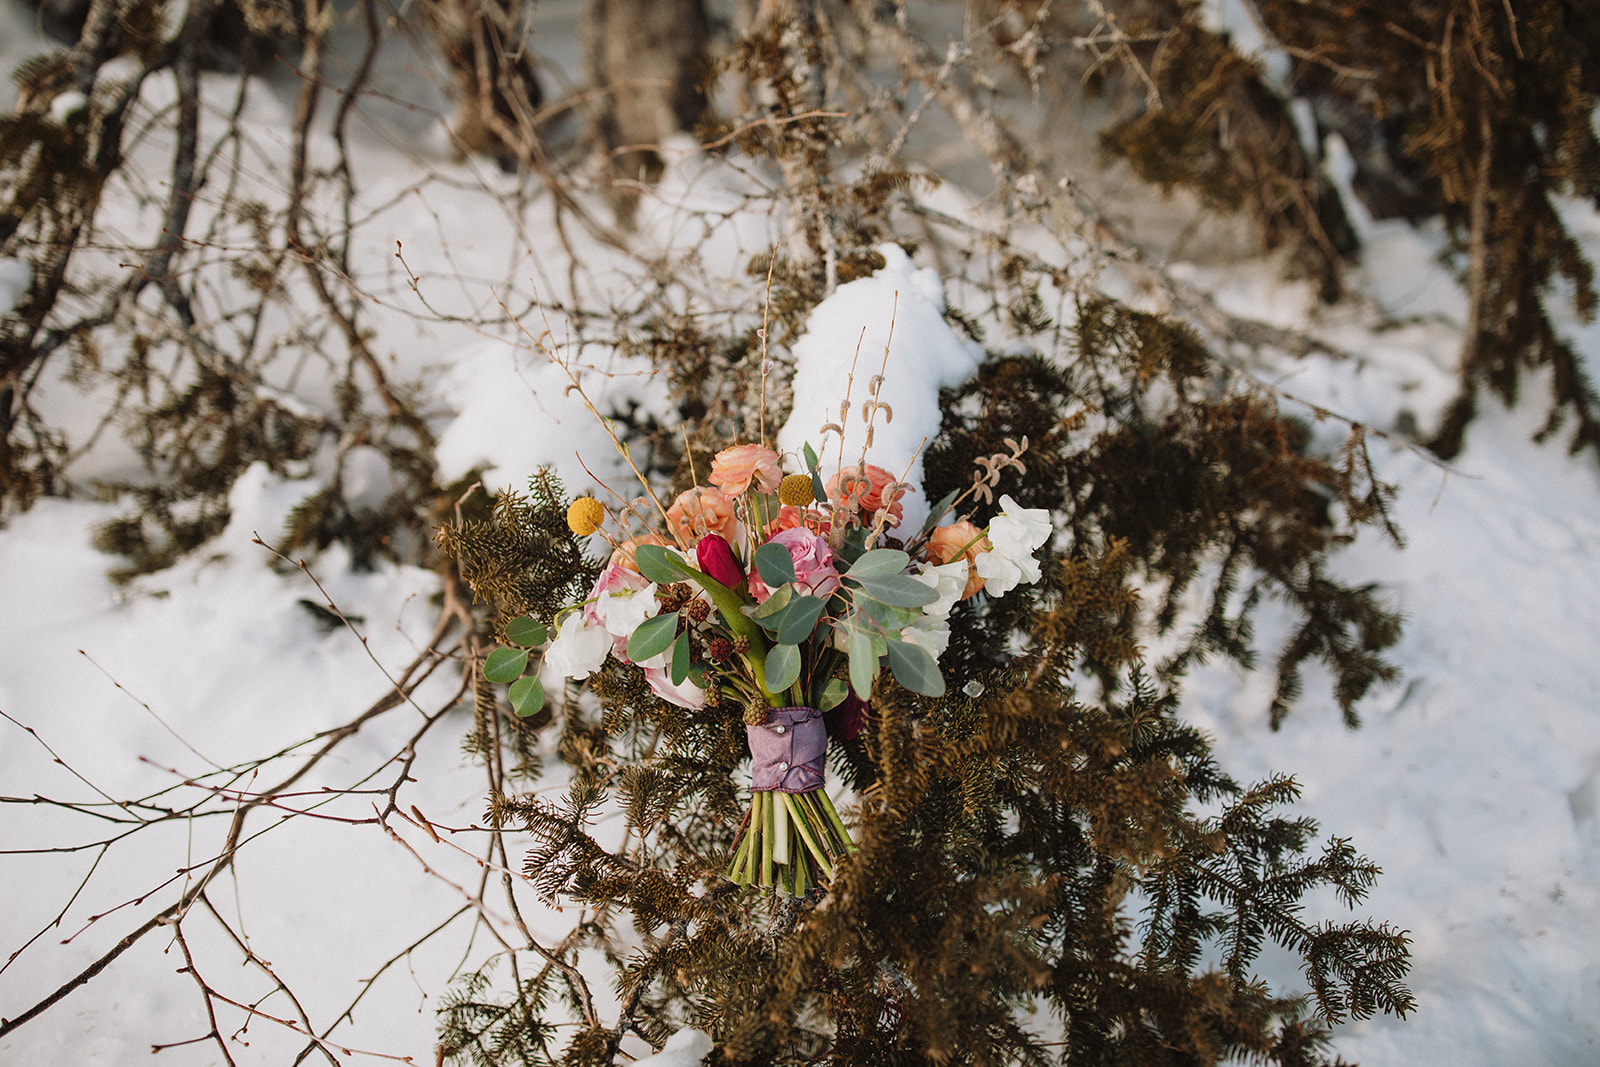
1474, 783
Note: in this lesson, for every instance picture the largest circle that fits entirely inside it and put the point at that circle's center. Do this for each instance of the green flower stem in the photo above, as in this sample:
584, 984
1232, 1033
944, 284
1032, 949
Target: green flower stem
739, 624
736, 865
839, 831
820, 827
811, 843
769, 816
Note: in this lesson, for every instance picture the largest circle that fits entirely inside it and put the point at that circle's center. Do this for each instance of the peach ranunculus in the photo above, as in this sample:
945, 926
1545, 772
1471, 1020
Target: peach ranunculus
867, 486
791, 517
623, 554
959, 538
698, 512
732, 469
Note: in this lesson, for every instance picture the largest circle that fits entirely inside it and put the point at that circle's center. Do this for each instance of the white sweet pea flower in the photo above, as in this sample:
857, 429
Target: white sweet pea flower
929, 634
621, 610
1015, 533
578, 650
949, 580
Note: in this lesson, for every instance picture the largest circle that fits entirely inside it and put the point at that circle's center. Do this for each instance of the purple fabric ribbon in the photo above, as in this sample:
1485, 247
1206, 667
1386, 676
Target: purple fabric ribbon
789, 749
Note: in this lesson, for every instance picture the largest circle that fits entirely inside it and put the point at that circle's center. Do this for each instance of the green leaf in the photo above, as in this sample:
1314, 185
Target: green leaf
527, 696
901, 590
505, 664
661, 565
653, 637
834, 690
863, 664
795, 623
810, 455
887, 617
680, 658
915, 669
774, 564
783, 667
773, 604
525, 632
879, 562
819, 492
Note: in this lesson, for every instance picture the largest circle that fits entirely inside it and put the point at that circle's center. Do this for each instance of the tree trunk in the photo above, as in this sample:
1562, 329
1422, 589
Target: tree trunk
647, 63
496, 89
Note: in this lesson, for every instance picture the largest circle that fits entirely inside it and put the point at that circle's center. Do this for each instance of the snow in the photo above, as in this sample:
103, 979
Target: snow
1474, 782
15, 277
686, 1048
890, 324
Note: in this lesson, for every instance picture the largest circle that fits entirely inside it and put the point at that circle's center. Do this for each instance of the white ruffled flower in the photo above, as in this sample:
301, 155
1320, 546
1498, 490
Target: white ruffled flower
578, 650
621, 611
949, 580
929, 634
1015, 533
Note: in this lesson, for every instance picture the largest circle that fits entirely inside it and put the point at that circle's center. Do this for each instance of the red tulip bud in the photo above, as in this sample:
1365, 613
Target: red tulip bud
717, 559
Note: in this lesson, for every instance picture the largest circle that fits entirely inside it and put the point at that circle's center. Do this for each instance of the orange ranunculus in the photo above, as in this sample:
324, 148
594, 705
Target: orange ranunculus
959, 538
867, 485
733, 468
791, 517
623, 554
698, 512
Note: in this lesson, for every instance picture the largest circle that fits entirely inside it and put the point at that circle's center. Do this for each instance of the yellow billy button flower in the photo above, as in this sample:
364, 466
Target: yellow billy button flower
585, 515
795, 490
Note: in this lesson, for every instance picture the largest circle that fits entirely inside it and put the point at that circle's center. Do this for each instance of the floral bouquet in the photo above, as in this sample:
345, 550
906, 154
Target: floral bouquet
787, 596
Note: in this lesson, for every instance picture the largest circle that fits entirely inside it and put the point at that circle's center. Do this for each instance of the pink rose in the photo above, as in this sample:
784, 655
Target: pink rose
865, 488
813, 564
734, 468
698, 512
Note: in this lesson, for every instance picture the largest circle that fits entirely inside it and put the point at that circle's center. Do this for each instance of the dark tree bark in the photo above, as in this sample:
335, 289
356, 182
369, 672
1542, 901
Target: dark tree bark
493, 78
647, 63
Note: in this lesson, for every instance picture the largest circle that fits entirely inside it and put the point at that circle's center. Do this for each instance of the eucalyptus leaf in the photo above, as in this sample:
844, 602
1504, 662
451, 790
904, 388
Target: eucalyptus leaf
680, 658
774, 564
915, 669
527, 696
783, 667
834, 690
900, 590
819, 492
660, 565
863, 664
887, 617
772, 605
525, 632
796, 622
653, 637
810, 455
505, 664
879, 562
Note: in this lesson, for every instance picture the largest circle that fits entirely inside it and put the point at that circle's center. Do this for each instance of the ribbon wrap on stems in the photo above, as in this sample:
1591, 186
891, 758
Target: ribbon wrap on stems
792, 839
788, 751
